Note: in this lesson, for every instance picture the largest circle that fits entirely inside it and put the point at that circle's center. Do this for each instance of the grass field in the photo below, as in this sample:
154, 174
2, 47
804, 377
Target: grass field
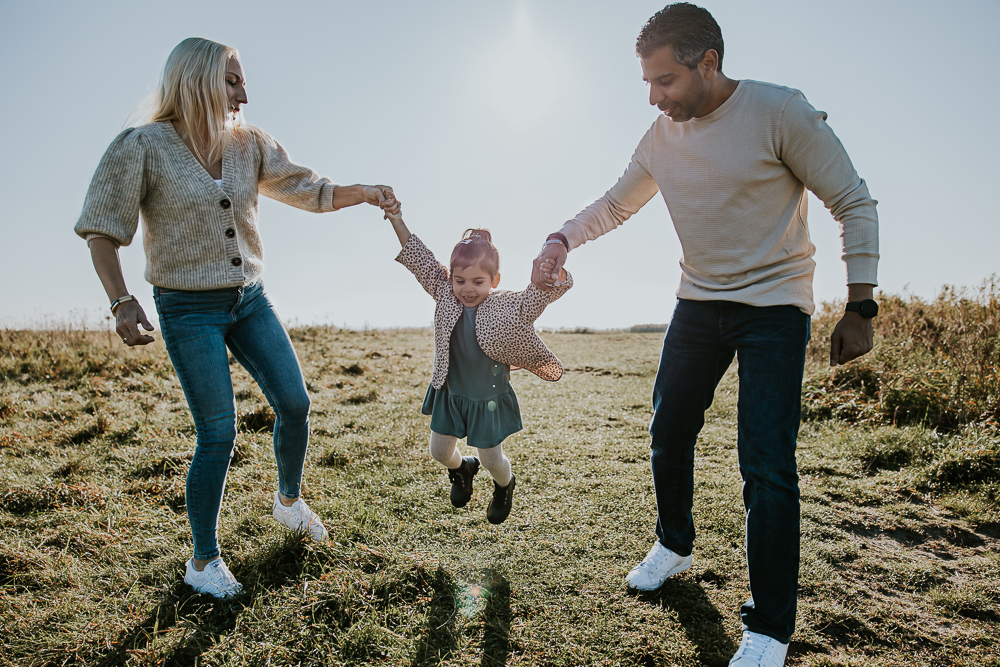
900, 518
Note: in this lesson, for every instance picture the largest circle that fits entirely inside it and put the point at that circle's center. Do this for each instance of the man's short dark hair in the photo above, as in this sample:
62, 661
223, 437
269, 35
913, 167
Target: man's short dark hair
688, 29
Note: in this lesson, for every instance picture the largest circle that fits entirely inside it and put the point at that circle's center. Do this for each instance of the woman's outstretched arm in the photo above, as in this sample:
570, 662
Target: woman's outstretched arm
129, 315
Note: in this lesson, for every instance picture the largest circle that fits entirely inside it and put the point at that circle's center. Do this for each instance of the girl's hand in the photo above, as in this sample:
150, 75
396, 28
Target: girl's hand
383, 197
548, 269
129, 316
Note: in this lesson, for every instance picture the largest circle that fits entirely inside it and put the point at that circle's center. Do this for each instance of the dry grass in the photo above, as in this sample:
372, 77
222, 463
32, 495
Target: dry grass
900, 524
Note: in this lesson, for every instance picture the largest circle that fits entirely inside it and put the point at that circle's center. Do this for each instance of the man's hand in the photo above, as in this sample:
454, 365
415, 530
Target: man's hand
547, 267
852, 338
129, 316
853, 335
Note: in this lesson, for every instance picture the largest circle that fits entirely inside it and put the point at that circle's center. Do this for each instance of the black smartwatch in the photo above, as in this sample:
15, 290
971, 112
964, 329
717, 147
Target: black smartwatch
867, 308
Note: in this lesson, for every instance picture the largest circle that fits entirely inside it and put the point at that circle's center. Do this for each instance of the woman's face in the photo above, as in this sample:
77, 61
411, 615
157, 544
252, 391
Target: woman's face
235, 85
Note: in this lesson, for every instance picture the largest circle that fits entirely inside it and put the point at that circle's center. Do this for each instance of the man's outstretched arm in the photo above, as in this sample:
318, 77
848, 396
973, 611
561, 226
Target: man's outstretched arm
635, 187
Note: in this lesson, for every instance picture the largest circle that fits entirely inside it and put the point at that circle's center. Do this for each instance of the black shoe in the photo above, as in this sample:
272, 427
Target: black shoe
499, 507
461, 480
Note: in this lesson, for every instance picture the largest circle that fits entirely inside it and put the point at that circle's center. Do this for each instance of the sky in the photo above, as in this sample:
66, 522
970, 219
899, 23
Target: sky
511, 115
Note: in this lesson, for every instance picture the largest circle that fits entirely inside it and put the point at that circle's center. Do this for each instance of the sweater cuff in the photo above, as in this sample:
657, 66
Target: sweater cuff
862, 269
576, 236
90, 236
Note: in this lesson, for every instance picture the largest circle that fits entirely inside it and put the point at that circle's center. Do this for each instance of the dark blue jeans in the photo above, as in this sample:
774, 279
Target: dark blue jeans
769, 344
197, 328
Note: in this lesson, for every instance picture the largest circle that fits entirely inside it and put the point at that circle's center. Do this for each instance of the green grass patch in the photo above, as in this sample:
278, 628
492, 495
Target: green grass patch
900, 522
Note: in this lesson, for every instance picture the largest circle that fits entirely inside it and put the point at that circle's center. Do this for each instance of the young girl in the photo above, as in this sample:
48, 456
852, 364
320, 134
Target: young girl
479, 335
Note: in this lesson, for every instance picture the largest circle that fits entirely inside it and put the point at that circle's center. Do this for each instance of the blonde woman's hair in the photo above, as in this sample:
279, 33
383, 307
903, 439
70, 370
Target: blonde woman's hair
193, 90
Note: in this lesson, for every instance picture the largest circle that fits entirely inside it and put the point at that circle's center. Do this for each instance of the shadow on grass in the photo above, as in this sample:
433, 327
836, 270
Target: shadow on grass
213, 618
701, 620
207, 618
440, 638
496, 620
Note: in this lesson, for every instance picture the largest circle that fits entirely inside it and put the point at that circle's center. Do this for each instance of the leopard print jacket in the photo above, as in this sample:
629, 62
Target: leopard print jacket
504, 322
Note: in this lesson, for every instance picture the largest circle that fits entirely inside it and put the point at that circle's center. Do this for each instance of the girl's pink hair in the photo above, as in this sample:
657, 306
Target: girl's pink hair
476, 249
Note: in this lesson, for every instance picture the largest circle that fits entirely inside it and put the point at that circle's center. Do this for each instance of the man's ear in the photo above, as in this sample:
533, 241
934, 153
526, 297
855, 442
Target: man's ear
709, 64
496, 280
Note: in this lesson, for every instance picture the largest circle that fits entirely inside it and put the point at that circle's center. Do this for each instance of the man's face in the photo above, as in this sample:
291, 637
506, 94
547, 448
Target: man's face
675, 89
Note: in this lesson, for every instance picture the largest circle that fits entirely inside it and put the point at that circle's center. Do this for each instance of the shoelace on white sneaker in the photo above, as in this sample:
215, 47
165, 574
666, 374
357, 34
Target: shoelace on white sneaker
301, 518
654, 557
757, 647
218, 576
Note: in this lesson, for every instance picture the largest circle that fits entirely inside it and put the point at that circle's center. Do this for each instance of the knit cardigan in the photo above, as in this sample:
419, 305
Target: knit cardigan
197, 235
504, 320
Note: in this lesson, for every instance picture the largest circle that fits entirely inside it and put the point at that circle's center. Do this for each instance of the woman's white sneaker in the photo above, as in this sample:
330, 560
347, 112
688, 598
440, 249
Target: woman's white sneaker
757, 650
299, 518
215, 580
659, 564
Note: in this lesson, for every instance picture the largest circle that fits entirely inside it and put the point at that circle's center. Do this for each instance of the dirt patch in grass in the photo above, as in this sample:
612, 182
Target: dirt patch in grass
260, 420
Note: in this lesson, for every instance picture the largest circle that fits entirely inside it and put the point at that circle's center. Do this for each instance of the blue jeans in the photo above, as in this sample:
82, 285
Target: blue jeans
770, 344
197, 328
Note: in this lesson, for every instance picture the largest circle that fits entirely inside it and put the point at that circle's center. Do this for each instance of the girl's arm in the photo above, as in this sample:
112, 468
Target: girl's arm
532, 301
402, 233
129, 315
420, 261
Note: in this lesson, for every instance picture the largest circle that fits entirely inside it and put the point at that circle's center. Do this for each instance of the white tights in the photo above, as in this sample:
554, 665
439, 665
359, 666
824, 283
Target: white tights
444, 449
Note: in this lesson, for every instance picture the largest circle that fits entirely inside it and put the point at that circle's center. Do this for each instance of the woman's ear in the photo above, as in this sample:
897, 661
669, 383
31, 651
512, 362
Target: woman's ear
496, 280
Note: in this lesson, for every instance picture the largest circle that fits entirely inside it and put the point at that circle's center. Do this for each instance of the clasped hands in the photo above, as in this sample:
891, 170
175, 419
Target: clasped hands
383, 197
547, 269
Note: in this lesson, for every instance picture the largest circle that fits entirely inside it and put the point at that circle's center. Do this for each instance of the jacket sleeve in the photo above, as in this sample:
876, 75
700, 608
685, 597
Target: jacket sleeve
281, 179
532, 301
111, 208
430, 273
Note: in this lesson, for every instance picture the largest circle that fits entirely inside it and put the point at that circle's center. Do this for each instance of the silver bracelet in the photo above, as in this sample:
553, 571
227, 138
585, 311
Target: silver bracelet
551, 241
119, 301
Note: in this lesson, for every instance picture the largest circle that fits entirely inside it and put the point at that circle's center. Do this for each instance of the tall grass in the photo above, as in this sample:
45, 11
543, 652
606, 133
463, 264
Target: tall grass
58, 355
936, 363
900, 524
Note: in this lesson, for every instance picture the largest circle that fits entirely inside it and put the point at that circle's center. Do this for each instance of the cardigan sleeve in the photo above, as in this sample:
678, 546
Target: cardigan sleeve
430, 273
532, 301
111, 208
283, 180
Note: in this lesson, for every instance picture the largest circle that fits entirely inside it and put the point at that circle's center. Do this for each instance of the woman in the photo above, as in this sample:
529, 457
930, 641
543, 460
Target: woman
194, 173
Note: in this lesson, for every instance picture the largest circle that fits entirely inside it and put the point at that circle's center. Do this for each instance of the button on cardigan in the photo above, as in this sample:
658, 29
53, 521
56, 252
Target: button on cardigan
197, 235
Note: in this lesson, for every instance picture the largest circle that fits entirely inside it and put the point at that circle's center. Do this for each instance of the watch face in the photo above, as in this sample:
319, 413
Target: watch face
869, 308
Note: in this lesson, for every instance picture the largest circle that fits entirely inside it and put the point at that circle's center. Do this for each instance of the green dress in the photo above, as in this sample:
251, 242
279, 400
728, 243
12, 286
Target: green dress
476, 401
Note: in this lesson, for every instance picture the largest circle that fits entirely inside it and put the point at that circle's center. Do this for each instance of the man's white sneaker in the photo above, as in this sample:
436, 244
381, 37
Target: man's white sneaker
654, 569
299, 518
215, 580
758, 650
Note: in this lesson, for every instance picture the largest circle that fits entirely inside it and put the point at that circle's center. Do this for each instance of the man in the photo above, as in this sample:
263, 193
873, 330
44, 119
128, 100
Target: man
733, 161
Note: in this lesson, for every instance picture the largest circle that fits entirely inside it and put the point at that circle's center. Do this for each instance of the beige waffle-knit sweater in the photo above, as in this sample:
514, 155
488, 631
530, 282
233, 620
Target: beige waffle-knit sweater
735, 184
197, 235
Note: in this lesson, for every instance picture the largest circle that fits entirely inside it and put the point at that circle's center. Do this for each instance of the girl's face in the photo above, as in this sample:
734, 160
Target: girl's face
235, 85
472, 285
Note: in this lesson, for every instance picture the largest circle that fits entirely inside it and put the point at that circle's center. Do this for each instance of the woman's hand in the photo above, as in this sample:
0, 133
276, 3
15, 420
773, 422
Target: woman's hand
130, 316
383, 197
